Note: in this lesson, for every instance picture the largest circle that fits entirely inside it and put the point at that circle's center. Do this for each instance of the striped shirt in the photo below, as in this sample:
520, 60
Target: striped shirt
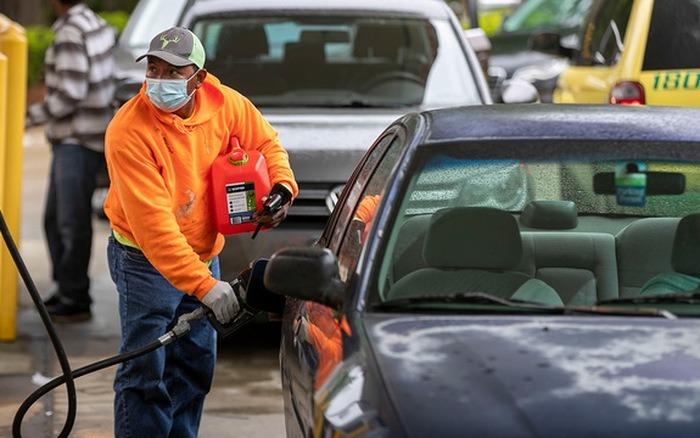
79, 70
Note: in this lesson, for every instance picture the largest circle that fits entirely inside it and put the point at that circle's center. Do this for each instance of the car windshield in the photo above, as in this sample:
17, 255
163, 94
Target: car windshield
583, 234
546, 14
345, 61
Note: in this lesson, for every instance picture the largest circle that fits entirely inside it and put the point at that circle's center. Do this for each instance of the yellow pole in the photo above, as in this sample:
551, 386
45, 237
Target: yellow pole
3, 125
3, 122
13, 44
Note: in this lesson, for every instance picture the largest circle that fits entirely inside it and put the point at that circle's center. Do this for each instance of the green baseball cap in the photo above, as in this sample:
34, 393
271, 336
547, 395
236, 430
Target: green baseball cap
177, 46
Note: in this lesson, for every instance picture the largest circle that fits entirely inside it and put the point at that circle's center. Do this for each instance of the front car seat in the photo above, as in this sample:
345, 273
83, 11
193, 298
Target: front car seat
684, 260
473, 249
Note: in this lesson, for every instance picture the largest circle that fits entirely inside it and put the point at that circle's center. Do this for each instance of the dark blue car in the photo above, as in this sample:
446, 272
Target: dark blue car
505, 272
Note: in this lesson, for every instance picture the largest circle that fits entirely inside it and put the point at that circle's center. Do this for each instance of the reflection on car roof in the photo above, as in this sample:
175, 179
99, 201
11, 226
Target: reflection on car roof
581, 122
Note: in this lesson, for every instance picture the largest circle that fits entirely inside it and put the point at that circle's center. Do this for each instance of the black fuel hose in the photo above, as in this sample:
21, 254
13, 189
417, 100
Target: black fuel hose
55, 341
60, 380
68, 376
180, 329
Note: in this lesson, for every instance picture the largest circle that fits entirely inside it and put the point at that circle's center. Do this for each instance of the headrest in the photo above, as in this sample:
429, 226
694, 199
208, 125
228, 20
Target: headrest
473, 237
242, 42
374, 40
304, 53
686, 246
550, 215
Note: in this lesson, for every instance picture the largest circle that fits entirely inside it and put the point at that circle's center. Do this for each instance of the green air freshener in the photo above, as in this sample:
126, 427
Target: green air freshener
631, 184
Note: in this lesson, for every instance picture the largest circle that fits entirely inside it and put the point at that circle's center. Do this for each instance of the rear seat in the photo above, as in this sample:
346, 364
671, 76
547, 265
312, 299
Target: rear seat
644, 250
581, 267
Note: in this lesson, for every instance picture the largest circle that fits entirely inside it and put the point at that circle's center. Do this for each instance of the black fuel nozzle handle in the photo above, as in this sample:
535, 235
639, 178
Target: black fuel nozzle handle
244, 315
271, 206
253, 298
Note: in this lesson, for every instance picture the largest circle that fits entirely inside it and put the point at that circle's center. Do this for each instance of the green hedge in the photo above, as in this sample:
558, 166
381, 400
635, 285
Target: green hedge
116, 19
39, 38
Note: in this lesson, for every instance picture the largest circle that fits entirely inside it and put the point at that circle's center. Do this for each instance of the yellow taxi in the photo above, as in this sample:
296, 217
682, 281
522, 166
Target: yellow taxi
636, 52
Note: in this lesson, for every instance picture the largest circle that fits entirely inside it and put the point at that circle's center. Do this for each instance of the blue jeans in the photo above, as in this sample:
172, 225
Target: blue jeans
162, 393
68, 218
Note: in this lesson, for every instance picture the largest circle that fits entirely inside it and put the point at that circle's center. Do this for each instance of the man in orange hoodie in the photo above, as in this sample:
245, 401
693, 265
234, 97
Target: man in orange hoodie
164, 246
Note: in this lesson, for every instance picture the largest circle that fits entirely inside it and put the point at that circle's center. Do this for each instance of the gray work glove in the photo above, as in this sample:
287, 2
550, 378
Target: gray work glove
222, 301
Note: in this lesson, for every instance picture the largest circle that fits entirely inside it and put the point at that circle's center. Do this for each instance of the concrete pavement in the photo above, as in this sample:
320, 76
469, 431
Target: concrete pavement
246, 397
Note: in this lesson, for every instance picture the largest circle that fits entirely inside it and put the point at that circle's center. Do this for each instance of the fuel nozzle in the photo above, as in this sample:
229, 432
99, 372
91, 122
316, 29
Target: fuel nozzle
253, 298
278, 197
246, 313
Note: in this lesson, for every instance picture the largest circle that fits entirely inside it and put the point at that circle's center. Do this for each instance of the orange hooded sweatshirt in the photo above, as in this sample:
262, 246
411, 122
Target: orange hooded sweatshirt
159, 169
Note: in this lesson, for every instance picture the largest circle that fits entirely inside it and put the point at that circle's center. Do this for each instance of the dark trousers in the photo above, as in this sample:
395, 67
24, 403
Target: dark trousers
162, 393
68, 218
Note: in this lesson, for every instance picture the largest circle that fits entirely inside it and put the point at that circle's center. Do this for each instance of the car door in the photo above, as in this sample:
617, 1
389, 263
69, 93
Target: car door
599, 64
312, 334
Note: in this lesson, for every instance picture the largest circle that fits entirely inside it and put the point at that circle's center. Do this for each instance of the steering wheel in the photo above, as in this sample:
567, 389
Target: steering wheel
392, 76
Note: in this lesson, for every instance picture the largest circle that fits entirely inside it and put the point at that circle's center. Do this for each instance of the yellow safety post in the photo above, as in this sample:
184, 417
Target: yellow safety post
13, 44
3, 124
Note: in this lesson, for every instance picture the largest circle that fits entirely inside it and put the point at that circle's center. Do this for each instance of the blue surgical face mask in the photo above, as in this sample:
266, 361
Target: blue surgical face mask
169, 95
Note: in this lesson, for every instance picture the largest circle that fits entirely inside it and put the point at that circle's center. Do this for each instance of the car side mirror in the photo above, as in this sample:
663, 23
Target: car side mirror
477, 39
519, 91
550, 43
309, 274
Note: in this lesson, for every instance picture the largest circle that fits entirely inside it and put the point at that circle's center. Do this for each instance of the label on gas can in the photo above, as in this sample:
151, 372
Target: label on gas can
240, 200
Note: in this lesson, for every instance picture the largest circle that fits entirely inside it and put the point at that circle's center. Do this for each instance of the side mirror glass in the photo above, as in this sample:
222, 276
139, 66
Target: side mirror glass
309, 274
519, 91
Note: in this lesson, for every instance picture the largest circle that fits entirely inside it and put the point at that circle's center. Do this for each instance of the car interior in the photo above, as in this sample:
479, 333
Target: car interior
546, 252
557, 248
277, 55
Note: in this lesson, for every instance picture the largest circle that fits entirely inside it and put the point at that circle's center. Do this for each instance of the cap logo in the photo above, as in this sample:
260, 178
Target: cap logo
166, 41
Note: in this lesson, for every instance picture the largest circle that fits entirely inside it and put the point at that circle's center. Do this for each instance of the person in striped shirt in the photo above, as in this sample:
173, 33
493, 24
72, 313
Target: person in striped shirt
77, 108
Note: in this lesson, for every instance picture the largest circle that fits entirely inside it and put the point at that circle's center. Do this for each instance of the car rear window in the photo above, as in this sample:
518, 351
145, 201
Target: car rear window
674, 36
352, 61
604, 33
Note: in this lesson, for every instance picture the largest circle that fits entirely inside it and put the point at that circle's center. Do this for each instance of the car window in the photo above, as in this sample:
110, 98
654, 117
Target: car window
150, 17
562, 230
543, 14
365, 211
604, 33
345, 61
343, 213
674, 36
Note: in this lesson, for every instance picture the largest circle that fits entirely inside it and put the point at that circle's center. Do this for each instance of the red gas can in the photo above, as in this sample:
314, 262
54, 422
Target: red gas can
239, 180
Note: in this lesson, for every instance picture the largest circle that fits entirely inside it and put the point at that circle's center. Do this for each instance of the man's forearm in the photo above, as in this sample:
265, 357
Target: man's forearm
36, 114
56, 105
